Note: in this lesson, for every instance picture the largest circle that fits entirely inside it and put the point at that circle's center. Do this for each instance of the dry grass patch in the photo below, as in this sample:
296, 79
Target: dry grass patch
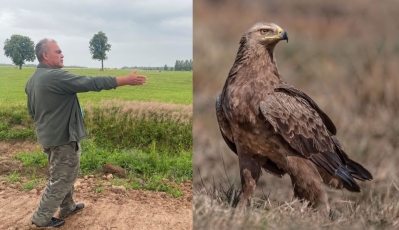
213, 211
137, 109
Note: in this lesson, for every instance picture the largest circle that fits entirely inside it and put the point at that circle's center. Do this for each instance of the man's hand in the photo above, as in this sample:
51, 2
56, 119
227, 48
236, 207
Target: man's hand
131, 79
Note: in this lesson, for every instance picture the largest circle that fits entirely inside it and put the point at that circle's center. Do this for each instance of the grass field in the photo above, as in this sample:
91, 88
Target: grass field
147, 130
167, 86
344, 55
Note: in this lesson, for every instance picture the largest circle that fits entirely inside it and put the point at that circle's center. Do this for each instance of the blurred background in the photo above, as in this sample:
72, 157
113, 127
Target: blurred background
343, 54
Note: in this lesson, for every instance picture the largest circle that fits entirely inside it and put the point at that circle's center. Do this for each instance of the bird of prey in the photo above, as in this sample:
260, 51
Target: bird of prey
271, 125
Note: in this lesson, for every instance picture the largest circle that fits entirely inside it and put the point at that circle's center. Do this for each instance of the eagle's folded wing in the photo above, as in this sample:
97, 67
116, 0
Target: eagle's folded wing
304, 128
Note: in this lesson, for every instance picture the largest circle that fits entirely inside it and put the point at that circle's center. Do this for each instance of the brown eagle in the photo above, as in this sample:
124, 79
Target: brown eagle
270, 124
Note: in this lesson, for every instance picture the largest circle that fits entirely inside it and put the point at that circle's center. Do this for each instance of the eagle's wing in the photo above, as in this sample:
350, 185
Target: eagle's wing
227, 135
224, 126
307, 129
297, 93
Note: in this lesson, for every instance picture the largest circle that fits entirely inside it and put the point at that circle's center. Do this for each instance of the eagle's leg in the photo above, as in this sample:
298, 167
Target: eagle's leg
250, 170
307, 182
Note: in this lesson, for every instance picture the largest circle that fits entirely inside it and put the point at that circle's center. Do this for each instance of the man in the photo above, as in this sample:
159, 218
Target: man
54, 106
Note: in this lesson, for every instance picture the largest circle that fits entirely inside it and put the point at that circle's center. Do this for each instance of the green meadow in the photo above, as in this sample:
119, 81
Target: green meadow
147, 130
166, 86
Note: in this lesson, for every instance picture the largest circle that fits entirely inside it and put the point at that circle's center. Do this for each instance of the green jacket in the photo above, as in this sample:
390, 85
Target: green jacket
54, 106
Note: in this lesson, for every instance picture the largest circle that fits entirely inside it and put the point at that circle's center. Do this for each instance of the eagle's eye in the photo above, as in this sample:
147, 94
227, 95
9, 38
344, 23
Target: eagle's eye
263, 31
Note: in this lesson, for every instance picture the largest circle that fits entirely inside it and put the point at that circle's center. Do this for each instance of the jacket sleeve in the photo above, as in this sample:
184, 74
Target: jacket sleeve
28, 105
65, 82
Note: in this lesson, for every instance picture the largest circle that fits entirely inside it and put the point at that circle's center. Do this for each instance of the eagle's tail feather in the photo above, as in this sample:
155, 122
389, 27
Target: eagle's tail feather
347, 178
358, 171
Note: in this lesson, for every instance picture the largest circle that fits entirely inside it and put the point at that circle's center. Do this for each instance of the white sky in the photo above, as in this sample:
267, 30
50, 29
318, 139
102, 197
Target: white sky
141, 33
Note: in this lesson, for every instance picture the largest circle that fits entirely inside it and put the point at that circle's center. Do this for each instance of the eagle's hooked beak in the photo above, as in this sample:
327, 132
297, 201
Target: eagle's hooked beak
283, 35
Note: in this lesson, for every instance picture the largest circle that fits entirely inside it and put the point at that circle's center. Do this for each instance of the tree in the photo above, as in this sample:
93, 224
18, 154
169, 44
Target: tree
98, 46
20, 49
186, 66
165, 67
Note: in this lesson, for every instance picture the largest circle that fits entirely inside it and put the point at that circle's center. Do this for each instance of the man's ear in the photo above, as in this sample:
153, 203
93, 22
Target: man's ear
44, 54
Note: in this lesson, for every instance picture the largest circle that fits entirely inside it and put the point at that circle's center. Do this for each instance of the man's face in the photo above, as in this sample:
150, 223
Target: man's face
53, 56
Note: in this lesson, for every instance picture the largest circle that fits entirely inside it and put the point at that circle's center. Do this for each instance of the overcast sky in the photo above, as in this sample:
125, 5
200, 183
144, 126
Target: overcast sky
141, 33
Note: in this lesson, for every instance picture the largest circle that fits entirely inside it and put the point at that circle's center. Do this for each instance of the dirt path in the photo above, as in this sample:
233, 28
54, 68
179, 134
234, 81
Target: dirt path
109, 209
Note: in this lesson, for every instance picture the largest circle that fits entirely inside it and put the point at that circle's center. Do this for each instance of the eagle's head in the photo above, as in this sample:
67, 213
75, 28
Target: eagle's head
265, 34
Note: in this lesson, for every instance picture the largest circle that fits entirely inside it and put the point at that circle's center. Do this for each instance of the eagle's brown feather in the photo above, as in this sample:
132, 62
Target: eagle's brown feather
293, 117
272, 125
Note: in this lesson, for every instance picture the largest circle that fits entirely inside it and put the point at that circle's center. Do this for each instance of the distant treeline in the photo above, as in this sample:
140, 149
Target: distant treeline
180, 65
165, 68
34, 65
186, 65
75, 66
31, 65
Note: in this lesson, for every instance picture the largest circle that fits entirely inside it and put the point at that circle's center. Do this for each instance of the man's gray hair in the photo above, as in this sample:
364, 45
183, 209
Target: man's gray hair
41, 47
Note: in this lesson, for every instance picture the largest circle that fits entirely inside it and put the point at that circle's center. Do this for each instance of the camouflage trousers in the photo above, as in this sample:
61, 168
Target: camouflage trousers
64, 161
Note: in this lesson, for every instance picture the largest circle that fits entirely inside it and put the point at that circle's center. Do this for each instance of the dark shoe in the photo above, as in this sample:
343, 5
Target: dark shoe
78, 208
54, 222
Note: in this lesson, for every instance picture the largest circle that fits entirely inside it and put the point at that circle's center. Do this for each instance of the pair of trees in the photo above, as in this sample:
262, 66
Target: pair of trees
21, 48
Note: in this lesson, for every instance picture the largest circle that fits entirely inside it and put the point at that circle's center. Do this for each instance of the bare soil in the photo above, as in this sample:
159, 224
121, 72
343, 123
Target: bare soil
106, 206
